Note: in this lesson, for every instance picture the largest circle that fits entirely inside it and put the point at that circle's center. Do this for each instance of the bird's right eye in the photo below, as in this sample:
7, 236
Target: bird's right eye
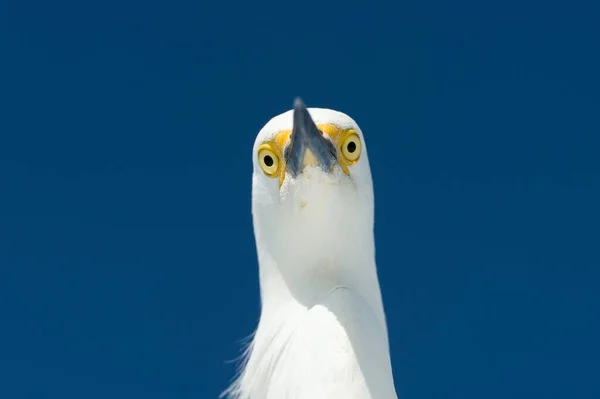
268, 161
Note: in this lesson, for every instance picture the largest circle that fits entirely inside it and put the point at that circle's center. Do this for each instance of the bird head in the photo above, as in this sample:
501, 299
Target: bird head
312, 192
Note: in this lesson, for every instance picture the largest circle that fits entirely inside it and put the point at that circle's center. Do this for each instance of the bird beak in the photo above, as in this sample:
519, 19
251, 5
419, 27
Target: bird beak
307, 145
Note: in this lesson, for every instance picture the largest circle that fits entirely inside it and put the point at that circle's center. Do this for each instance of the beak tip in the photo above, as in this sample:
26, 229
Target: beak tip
298, 104
307, 137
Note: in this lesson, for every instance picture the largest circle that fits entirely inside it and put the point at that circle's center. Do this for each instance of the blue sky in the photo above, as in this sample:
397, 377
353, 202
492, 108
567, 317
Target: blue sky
127, 261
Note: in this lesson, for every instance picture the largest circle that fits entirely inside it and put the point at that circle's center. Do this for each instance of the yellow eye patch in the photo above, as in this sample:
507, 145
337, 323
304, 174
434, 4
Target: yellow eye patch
346, 141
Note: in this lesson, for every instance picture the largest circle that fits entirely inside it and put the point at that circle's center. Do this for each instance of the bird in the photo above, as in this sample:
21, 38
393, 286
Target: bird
322, 331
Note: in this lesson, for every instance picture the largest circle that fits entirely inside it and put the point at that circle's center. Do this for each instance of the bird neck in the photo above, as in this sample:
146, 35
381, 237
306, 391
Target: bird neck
290, 284
322, 331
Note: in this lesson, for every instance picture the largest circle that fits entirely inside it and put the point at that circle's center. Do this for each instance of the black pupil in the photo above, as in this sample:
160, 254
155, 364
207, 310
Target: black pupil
351, 147
268, 160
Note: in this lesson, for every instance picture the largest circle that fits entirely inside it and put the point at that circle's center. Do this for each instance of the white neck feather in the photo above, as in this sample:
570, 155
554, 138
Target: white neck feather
322, 333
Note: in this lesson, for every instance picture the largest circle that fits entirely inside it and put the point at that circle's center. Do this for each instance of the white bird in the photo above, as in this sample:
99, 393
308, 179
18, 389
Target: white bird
322, 332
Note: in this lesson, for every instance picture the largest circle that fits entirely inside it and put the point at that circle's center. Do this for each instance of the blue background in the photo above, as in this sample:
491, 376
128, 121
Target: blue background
127, 260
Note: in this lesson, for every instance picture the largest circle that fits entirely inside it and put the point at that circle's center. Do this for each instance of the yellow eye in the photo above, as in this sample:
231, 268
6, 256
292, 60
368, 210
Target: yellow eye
351, 147
268, 161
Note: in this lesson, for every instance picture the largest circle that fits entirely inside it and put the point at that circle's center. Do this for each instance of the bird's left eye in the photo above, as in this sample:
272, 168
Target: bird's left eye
351, 147
268, 161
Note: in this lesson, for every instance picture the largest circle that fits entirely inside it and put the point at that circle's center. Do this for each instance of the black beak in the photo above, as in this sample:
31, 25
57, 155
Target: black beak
307, 137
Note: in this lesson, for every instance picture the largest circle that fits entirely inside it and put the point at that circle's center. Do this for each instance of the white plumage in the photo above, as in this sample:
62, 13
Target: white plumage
322, 331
